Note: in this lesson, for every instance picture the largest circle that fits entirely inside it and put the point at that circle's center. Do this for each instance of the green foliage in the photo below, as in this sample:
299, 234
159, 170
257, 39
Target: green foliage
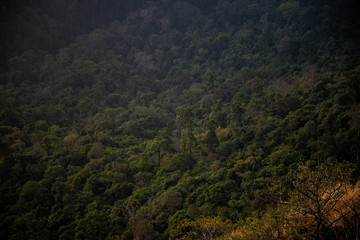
132, 119
171, 201
203, 228
286, 156
94, 225
217, 194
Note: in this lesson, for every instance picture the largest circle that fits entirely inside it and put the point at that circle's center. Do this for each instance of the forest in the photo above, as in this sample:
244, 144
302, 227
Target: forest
180, 119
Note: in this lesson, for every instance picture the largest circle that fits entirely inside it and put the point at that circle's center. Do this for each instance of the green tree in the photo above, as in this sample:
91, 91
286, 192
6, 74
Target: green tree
30, 225
171, 201
160, 145
94, 225
211, 140
185, 123
354, 124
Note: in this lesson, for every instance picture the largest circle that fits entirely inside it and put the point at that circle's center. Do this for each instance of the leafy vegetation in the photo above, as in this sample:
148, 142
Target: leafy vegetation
180, 120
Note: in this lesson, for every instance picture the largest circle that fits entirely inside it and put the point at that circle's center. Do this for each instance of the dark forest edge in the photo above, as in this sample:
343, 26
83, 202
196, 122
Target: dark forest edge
181, 120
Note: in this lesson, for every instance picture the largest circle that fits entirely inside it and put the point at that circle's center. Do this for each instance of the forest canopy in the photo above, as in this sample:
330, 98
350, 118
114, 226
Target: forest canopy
180, 119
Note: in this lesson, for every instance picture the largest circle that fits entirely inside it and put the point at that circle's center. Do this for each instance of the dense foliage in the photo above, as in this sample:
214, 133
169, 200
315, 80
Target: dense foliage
182, 120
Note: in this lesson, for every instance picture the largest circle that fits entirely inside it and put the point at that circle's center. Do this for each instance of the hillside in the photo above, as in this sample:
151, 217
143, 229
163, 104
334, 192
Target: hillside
180, 120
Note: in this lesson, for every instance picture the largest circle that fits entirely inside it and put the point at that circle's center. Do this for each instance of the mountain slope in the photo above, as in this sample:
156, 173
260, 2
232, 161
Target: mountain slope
182, 113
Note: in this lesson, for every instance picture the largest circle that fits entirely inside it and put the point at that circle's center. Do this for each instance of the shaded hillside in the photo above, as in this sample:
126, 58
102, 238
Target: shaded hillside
50, 25
180, 114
